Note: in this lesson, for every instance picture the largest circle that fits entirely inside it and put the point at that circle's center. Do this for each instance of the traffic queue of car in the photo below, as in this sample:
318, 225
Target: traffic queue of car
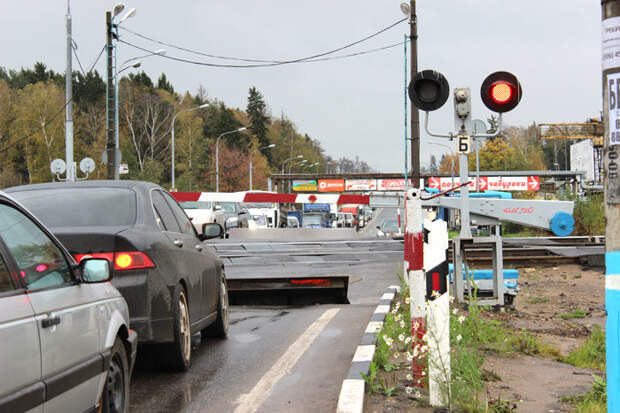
87, 271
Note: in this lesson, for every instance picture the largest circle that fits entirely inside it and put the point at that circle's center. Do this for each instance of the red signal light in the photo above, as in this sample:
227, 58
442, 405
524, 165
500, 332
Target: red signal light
501, 92
133, 260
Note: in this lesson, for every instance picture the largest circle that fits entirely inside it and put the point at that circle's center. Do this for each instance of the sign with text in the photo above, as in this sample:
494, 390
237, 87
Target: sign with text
395, 184
361, 185
304, 185
614, 108
489, 183
331, 185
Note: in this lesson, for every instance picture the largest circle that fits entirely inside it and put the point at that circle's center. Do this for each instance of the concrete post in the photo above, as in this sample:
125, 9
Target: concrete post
611, 111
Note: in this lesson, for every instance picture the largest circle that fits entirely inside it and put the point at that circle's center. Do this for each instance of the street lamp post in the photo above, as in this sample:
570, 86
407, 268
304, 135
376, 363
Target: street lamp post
290, 159
299, 164
172, 135
217, 156
273, 145
117, 9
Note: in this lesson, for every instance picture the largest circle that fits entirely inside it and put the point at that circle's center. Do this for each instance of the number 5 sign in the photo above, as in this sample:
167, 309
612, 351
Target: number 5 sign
464, 144
614, 108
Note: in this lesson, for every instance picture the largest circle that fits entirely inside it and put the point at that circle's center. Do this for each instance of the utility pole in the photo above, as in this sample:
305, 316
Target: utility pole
415, 117
610, 22
109, 102
70, 174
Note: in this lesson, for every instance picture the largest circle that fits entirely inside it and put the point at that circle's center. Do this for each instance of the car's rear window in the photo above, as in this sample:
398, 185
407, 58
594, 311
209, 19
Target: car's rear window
81, 207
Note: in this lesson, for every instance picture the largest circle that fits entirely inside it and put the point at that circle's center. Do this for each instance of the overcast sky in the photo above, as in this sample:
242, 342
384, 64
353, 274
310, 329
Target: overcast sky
353, 106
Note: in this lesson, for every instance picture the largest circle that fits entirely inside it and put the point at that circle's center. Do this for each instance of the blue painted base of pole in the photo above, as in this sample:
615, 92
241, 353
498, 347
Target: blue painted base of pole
612, 329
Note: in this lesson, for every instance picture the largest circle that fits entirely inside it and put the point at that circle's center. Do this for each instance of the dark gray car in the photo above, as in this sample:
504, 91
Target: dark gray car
174, 284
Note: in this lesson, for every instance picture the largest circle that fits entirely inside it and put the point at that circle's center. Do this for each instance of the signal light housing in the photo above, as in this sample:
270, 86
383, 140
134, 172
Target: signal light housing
429, 90
501, 92
132, 260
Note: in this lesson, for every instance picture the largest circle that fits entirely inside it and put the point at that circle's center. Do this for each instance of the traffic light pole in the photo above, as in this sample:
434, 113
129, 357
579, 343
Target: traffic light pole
110, 138
415, 116
610, 21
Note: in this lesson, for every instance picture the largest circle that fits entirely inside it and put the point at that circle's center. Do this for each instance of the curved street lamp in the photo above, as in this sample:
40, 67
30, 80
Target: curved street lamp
273, 145
172, 133
290, 159
217, 156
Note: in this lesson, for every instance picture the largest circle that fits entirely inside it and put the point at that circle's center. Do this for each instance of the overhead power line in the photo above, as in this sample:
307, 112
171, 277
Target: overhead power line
261, 62
194, 62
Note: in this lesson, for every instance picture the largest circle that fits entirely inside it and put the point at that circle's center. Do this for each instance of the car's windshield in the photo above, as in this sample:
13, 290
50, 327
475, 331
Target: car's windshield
196, 205
389, 226
81, 207
228, 206
312, 220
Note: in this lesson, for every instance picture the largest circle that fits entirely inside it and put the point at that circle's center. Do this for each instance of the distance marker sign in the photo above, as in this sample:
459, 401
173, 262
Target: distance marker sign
614, 108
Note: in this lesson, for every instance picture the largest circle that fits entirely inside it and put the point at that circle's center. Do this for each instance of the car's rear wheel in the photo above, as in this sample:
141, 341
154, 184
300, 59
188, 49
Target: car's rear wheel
178, 355
220, 327
115, 398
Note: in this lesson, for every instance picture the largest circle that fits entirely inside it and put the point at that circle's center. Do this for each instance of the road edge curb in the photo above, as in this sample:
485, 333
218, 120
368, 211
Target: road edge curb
351, 398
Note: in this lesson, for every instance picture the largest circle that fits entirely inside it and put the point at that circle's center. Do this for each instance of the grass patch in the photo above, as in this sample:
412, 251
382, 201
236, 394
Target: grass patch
538, 300
594, 401
576, 313
576, 276
591, 354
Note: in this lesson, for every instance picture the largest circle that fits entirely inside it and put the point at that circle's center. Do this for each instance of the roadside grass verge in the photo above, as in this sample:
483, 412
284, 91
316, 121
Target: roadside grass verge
472, 338
594, 401
591, 354
576, 313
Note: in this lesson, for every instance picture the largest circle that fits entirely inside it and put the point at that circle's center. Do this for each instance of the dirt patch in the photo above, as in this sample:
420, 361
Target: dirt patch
560, 305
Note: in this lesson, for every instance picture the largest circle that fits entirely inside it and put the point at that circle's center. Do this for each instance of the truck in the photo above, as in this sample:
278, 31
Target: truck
316, 216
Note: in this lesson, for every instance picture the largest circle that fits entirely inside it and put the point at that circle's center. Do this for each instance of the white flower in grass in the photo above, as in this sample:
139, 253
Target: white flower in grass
408, 340
408, 390
423, 373
402, 324
435, 294
459, 337
451, 299
455, 311
423, 349
461, 319
415, 353
388, 340
425, 338
397, 317
407, 300
410, 356
416, 325
397, 306
394, 311
409, 376
401, 337
418, 395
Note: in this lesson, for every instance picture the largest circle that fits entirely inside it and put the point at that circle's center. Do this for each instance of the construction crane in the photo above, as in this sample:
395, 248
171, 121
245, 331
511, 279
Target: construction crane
590, 129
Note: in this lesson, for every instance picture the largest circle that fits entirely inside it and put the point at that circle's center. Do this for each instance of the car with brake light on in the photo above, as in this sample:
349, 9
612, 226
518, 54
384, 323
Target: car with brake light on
173, 283
64, 329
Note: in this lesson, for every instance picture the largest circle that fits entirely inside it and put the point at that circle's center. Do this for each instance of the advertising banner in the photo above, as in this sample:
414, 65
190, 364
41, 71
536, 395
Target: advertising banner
394, 184
331, 185
304, 185
361, 185
490, 183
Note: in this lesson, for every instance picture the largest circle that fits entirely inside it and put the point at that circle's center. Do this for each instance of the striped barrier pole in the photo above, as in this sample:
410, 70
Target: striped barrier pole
414, 266
438, 311
612, 329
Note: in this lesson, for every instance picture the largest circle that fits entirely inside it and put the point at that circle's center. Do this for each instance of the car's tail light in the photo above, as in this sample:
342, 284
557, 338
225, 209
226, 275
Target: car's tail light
314, 282
132, 260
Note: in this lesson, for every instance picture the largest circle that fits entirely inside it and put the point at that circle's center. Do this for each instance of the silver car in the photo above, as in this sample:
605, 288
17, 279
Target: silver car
65, 340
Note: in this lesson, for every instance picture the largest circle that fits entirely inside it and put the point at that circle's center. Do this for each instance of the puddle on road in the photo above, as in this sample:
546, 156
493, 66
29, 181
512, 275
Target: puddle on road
245, 338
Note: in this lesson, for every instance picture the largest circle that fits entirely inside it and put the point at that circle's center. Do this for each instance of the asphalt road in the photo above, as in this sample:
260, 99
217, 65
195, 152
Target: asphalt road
276, 359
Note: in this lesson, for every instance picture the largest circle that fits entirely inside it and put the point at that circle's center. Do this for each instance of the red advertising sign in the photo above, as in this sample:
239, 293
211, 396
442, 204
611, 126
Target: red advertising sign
491, 183
331, 185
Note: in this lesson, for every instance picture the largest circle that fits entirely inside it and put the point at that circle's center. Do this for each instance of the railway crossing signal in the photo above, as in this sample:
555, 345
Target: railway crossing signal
501, 91
429, 90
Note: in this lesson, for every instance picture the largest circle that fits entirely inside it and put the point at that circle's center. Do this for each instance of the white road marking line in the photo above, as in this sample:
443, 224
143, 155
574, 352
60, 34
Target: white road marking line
364, 353
351, 399
250, 402
374, 327
395, 287
382, 309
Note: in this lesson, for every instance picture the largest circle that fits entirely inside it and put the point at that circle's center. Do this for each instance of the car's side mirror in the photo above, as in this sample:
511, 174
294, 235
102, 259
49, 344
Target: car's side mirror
211, 230
378, 227
95, 270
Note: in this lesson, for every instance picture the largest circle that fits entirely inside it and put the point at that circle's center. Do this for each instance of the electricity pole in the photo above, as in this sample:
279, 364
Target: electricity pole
70, 174
415, 118
610, 23
109, 101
